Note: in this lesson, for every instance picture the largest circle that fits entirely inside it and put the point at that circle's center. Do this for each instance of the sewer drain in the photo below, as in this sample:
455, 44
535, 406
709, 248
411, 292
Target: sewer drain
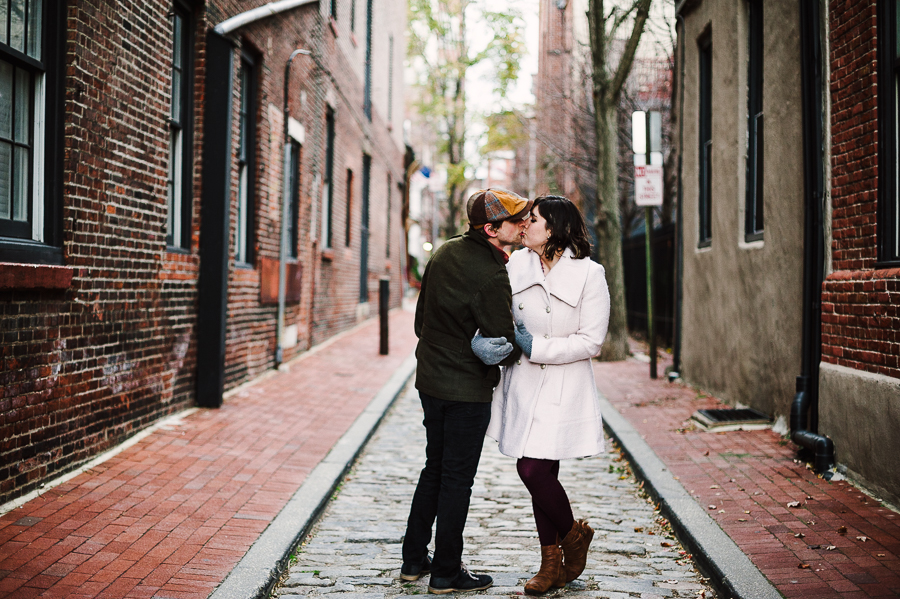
732, 419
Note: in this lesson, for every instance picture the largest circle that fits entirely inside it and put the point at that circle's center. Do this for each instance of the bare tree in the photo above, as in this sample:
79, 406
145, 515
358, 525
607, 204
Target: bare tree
608, 79
442, 52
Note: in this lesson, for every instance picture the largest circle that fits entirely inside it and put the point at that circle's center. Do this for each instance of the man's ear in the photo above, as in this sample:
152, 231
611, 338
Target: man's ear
490, 229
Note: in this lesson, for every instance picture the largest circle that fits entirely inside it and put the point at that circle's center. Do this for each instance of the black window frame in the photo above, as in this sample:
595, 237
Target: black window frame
246, 155
888, 210
364, 229
16, 240
328, 208
704, 203
754, 203
293, 215
332, 8
185, 124
367, 98
387, 236
349, 217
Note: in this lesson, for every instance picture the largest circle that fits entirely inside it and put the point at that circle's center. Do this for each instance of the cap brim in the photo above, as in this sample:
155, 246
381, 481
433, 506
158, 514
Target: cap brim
523, 213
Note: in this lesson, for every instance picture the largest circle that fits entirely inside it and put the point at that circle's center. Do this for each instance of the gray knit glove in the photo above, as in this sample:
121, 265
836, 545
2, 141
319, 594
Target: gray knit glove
523, 338
491, 350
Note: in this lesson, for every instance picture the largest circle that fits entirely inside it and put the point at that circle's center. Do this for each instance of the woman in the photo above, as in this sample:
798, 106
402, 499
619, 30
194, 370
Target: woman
546, 407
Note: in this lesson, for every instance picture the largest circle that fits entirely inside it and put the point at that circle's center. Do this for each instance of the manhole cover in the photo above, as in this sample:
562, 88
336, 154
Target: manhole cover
732, 418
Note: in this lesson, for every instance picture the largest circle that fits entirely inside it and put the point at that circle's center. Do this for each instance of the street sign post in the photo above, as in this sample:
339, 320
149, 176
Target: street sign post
646, 138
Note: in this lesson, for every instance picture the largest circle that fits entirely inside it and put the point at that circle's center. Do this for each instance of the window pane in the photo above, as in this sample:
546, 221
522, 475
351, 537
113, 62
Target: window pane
34, 28
20, 185
17, 25
5, 179
23, 106
896, 29
176, 38
6, 99
176, 95
4, 19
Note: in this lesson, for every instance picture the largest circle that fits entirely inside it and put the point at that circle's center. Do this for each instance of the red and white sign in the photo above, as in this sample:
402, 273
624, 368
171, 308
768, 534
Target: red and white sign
648, 185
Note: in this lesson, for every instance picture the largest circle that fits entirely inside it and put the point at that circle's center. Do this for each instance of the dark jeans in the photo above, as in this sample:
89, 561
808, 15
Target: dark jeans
455, 434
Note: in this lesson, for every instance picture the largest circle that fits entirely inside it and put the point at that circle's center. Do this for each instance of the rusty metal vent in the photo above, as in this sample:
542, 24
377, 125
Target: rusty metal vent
732, 418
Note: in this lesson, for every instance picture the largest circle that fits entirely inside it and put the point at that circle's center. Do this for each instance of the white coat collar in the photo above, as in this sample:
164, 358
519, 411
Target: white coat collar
565, 280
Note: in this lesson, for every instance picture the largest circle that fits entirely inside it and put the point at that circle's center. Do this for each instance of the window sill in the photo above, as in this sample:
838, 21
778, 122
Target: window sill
333, 25
328, 255
35, 276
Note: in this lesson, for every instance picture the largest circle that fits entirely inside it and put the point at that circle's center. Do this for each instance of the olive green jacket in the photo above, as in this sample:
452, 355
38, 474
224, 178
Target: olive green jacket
465, 288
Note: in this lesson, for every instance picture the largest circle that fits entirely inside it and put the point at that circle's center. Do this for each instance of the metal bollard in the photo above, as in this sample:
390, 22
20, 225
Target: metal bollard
384, 295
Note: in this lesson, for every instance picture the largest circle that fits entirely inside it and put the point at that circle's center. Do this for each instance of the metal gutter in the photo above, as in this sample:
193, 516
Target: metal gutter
255, 14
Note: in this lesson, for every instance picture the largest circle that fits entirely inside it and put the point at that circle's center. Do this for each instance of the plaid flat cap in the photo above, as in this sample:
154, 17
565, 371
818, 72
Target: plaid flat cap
493, 205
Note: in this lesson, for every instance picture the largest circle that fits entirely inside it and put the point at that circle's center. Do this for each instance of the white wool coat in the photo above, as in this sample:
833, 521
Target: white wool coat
546, 406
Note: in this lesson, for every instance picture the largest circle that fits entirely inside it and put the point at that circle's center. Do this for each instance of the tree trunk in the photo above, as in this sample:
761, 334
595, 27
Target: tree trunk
608, 227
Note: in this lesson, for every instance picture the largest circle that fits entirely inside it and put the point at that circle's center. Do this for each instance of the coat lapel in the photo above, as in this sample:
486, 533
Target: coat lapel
565, 281
524, 270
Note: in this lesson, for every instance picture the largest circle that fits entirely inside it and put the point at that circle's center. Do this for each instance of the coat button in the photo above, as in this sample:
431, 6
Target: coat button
521, 306
546, 336
543, 366
548, 308
519, 362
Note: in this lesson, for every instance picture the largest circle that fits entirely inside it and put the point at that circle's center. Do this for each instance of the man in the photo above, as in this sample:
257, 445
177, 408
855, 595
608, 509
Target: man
465, 289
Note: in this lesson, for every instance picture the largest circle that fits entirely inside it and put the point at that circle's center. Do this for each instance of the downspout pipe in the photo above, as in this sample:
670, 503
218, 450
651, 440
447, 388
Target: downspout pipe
804, 410
679, 226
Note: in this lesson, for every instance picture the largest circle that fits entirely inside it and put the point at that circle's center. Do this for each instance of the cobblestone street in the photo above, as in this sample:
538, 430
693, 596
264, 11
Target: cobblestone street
354, 549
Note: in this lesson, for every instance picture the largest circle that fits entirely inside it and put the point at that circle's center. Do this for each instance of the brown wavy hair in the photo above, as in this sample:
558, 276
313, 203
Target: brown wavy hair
566, 225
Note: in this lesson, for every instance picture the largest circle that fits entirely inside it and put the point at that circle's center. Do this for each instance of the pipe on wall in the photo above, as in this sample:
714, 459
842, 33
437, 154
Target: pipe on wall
804, 409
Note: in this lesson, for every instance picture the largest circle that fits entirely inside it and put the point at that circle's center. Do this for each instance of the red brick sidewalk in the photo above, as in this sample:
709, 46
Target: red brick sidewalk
837, 542
173, 514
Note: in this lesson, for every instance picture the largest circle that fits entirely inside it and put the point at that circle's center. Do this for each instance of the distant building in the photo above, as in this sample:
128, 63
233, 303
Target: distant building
142, 170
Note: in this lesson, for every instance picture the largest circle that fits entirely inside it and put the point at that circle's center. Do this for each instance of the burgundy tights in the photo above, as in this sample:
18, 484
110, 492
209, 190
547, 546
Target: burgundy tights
552, 511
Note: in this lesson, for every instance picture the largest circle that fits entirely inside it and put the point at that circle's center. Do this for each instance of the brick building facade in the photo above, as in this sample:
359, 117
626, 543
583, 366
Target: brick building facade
860, 375
141, 176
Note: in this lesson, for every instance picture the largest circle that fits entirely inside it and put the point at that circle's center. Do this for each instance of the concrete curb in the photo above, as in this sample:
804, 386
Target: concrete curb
730, 571
259, 569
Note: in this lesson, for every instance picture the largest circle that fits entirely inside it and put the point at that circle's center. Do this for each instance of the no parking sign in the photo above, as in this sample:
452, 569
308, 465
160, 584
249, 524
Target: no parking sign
648, 185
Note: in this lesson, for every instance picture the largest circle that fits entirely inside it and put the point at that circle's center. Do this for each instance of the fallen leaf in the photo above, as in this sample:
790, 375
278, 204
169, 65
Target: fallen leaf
793, 504
742, 519
664, 544
671, 582
712, 507
880, 554
721, 511
842, 530
714, 487
803, 566
638, 529
808, 497
799, 535
813, 546
811, 522
863, 539
746, 511
830, 548
706, 452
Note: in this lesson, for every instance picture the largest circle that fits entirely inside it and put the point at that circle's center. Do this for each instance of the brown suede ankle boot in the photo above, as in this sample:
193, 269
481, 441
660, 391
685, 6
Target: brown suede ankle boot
575, 549
547, 576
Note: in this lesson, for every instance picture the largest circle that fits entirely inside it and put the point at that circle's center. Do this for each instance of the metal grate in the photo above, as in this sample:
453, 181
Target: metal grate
731, 417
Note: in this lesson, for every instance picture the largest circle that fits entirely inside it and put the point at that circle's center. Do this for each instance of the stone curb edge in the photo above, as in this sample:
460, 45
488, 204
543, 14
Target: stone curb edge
259, 569
730, 571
